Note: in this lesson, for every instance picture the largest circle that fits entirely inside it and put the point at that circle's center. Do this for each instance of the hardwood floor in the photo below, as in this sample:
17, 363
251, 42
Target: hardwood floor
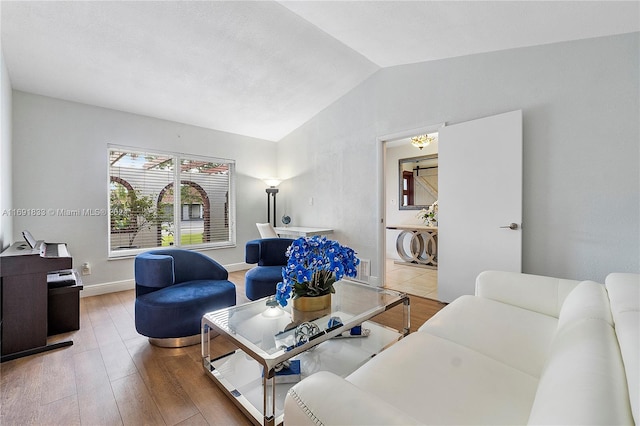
112, 375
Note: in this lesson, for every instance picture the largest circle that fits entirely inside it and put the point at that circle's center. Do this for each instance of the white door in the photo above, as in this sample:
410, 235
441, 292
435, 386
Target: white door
480, 196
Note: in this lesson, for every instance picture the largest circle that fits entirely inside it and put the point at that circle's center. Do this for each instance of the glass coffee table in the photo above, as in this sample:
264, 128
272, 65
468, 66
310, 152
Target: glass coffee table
268, 335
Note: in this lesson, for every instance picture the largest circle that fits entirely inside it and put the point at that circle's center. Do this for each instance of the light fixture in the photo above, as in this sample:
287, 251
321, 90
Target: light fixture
273, 309
421, 141
271, 192
272, 182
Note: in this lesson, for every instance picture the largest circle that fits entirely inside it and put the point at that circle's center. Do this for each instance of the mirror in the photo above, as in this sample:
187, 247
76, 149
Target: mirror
418, 182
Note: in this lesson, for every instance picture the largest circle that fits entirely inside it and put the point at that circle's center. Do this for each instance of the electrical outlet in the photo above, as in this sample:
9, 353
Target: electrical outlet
310, 201
86, 269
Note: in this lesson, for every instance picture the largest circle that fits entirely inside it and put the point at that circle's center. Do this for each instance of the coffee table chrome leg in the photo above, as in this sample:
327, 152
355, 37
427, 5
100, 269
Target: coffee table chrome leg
205, 340
406, 316
269, 389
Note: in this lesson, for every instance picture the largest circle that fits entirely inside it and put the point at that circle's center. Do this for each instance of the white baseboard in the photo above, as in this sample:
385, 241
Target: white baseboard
235, 267
104, 288
115, 286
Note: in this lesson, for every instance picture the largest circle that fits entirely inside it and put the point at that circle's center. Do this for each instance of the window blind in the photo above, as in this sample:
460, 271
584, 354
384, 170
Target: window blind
147, 212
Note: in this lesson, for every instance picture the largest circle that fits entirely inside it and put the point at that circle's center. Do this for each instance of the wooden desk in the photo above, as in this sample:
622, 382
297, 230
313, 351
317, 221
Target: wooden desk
301, 231
423, 244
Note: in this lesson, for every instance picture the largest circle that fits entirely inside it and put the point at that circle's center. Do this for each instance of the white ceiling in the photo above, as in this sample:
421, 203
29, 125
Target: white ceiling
263, 68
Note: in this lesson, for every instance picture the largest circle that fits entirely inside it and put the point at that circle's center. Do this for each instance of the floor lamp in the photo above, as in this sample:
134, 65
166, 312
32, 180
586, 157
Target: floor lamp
271, 193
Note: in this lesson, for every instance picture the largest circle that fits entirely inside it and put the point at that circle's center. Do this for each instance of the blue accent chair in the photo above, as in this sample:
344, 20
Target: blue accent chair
270, 255
174, 289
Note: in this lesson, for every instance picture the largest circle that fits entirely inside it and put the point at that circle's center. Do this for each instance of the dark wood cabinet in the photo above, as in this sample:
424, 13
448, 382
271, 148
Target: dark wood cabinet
25, 294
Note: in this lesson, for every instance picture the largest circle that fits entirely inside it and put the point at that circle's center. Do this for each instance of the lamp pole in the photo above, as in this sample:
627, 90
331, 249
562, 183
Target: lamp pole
271, 192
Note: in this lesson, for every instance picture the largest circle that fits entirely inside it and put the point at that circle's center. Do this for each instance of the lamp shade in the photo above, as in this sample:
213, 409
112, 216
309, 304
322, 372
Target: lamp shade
273, 182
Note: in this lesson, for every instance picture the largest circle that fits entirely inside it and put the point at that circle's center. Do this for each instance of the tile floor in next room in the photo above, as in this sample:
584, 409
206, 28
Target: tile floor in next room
414, 280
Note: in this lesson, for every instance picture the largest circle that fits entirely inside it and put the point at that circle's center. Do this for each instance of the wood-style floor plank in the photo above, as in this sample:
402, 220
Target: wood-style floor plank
58, 377
135, 402
111, 375
210, 400
63, 411
98, 407
21, 393
117, 360
90, 371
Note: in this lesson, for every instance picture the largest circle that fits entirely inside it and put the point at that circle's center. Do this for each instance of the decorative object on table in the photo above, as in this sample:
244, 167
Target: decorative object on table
314, 265
333, 323
305, 332
286, 220
357, 331
430, 214
421, 141
271, 193
287, 372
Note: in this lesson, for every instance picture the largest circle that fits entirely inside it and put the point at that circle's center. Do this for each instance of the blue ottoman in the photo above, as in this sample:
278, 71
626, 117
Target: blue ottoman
174, 289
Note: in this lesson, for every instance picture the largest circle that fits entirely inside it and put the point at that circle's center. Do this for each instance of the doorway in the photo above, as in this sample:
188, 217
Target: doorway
409, 182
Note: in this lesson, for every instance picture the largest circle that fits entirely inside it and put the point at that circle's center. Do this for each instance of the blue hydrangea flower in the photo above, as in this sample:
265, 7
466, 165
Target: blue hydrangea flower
283, 292
314, 264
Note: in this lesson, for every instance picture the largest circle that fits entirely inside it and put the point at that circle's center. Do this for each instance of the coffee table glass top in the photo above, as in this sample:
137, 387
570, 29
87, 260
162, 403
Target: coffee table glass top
255, 325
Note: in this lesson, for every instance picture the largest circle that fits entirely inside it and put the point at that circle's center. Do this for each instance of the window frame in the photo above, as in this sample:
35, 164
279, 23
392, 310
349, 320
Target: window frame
178, 177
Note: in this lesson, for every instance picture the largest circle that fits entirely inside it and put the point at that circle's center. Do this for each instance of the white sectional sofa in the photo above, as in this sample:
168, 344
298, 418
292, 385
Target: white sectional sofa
525, 349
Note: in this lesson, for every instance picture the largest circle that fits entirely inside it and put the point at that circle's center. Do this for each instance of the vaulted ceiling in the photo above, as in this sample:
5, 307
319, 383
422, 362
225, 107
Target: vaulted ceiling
263, 68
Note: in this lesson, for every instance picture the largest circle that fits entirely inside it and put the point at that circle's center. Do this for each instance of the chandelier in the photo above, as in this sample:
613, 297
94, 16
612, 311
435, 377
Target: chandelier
421, 141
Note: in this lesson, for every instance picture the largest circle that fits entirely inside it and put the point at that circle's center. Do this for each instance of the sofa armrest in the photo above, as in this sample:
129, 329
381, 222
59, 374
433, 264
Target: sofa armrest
536, 293
325, 398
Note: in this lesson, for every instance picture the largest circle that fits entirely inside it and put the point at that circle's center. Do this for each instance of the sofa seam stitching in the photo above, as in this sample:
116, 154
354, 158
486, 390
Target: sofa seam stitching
305, 408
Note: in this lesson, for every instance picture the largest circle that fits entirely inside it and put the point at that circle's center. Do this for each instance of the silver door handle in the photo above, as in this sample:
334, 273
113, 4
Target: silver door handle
512, 226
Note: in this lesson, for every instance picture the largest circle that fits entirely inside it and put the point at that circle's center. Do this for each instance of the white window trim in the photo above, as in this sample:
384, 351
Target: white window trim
177, 156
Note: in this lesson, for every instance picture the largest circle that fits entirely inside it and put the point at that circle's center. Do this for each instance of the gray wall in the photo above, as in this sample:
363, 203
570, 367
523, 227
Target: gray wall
60, 162
580, 103
6, 220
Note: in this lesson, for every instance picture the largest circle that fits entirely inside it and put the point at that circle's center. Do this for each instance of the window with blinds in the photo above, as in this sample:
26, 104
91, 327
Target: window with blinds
147, 211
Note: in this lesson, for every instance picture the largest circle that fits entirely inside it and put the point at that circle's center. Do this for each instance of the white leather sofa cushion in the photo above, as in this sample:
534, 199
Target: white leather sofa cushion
624, 294
533, 292
437, 381
588, 300
517, 337
327, 399
583, 382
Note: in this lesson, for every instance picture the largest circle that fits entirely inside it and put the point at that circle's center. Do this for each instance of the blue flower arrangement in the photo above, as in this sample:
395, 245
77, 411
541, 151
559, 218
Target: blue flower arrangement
314, 264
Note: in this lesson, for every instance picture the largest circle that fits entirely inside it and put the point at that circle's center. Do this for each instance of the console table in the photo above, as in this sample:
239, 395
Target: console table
422, 243
301, 231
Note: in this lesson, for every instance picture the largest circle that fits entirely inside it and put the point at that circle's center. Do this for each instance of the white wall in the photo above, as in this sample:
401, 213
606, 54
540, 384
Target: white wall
581, 148
60, 162
6, 220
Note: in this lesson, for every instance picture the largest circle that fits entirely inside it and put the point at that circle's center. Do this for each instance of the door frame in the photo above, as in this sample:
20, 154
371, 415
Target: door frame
382, 193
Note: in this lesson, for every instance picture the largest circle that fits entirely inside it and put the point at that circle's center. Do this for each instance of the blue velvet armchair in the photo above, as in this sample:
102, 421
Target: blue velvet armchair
270, 255
174, 289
